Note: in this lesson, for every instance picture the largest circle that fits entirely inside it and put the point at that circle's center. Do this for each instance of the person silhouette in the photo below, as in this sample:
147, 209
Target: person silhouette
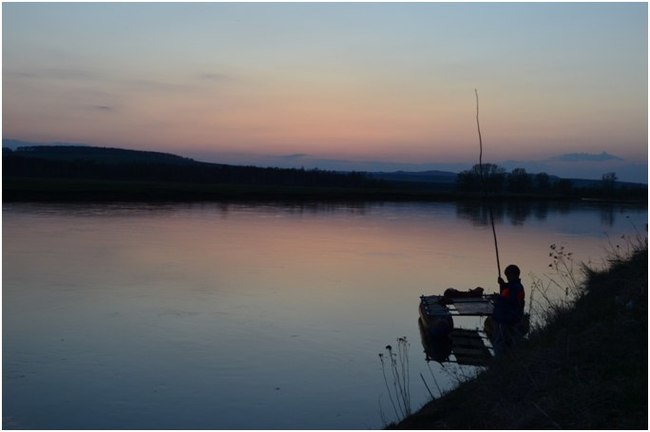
508, 309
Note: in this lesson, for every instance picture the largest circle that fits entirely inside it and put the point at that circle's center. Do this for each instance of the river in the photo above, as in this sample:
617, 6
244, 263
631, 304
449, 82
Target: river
242, 316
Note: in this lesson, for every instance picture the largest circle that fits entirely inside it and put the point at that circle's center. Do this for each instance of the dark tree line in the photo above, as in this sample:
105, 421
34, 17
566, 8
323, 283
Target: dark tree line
95, 163
121, 166
493, 179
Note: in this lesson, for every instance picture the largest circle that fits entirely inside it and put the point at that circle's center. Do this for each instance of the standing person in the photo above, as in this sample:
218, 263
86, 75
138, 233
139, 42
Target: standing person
508, 309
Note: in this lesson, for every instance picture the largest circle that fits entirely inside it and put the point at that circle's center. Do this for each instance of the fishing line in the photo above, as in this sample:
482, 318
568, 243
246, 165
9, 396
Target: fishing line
489, 205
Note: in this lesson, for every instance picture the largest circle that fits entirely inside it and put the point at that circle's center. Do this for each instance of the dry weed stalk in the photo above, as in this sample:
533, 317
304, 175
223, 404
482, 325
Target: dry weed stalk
398, 365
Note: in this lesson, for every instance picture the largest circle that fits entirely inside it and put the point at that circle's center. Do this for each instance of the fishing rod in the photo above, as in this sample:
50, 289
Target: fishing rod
480, 164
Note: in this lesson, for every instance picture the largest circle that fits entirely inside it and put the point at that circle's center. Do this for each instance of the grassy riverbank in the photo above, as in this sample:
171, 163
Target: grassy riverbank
586, 369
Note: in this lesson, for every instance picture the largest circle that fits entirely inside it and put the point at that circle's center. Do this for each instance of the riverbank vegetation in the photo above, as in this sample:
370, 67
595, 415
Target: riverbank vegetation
495, 180
76, 173
586, 368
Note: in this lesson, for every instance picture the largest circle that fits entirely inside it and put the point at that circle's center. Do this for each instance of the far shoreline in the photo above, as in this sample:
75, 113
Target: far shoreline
16, 189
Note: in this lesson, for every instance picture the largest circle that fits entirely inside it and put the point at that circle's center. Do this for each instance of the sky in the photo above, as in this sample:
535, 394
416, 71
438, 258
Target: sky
371, 86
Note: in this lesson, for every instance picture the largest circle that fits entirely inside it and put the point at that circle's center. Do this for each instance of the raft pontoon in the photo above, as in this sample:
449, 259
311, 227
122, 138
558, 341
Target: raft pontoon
441, 340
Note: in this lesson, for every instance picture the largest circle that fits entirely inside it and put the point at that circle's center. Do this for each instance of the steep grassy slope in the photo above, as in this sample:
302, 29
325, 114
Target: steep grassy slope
586, 369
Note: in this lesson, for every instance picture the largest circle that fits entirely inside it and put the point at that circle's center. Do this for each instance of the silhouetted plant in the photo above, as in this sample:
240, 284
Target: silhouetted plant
565, 270
397, 362
627, 245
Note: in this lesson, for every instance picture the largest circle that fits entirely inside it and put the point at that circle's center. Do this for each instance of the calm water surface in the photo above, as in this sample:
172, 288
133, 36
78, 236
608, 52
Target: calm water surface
214, 316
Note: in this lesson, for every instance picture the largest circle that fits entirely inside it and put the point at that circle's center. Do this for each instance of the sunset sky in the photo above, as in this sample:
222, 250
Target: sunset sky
335, 85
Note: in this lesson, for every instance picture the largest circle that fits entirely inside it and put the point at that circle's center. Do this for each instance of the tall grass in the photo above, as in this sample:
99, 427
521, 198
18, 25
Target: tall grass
568, 281
627, 245
398, 386
556, 291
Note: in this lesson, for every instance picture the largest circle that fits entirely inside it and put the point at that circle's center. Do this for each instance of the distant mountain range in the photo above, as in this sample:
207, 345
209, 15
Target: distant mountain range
103, 155
15, 144
78, 173
586, 157
580, 167
122, 165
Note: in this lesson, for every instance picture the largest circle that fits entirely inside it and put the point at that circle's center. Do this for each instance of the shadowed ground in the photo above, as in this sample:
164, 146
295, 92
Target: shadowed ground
587, 369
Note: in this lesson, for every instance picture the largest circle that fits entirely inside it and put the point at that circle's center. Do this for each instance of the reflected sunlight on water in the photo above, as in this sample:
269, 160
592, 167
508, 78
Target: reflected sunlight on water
245, 316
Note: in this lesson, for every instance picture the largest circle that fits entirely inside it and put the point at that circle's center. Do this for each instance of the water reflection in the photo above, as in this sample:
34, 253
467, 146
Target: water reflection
192, 316
436, 348
519, 212
516, 213
464, 347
